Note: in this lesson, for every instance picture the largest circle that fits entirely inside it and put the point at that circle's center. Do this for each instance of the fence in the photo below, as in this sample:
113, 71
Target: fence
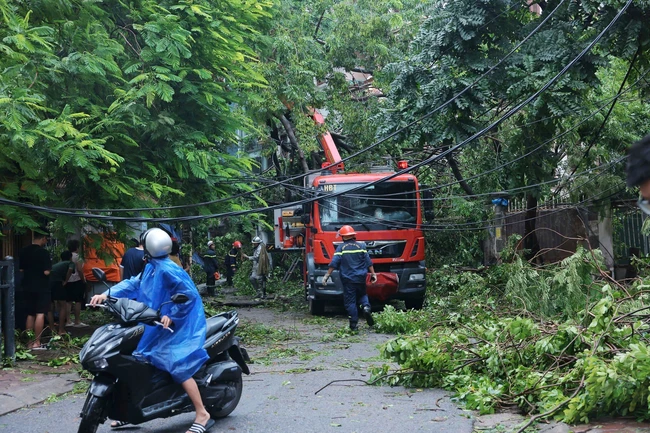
558, 230
8, 309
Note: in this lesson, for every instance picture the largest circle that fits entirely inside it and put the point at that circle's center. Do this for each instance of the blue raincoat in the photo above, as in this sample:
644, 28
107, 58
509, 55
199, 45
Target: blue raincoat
180, 353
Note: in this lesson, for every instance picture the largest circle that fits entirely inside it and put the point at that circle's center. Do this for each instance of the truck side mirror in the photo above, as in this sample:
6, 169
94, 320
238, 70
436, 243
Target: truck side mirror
426, 197
305, 218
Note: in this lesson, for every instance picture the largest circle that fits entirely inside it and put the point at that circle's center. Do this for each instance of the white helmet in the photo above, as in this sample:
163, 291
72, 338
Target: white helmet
156, 243
257, 240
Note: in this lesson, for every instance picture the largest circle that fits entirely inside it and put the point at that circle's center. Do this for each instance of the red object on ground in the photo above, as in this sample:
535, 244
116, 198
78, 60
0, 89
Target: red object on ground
385, 286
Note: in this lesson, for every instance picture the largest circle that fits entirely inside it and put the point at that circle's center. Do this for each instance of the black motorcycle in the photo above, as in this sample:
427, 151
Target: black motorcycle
128, 390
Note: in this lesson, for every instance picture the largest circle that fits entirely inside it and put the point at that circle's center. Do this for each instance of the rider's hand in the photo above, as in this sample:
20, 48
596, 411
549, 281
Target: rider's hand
166, 321
98, 299
373, 278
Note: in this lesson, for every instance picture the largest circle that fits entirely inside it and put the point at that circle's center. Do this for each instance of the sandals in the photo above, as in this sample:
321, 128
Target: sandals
118, 424
198, 428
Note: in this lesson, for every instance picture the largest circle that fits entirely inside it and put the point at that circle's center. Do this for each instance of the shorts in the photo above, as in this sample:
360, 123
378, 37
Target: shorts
58, 291
38, 302
76, 291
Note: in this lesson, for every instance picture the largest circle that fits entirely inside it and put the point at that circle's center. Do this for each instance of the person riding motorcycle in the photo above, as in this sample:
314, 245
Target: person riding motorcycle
180, 353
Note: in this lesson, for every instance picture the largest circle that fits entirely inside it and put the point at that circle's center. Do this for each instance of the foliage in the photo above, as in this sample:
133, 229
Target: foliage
109, 105
551, 138
492, 353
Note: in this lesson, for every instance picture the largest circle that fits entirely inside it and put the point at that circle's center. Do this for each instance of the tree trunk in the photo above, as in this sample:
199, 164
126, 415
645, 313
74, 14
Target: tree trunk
458, 175
294, 141
531, 243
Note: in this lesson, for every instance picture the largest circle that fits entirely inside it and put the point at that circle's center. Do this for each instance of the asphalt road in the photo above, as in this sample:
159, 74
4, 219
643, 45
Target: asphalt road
280, 394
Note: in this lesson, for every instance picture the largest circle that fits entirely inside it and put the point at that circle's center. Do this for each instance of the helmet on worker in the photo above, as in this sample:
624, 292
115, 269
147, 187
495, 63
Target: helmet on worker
347, 232
257, 240
157, 243
236, 244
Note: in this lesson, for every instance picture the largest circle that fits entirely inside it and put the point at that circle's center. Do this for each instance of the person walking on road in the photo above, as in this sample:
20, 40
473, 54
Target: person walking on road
261, 267
231, 262
638, 171
35, 264
353, 262
210, 266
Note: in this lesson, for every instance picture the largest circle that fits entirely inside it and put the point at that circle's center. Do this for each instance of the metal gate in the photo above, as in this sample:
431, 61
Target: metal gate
627, 234
7, 309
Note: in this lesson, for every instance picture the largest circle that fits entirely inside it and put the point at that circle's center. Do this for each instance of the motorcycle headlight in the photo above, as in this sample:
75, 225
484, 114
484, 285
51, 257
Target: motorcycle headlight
100, 363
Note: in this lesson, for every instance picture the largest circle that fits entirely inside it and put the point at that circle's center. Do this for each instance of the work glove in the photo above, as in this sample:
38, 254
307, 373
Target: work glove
326, 278
373, 278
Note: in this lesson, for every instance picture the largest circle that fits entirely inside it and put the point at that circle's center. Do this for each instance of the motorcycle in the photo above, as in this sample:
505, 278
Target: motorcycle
126, 389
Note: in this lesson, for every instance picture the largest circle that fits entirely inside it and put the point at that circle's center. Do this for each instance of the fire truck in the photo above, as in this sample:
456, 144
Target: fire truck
386, 215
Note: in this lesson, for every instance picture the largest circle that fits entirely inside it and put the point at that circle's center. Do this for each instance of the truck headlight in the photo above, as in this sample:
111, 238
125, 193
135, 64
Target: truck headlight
414, 277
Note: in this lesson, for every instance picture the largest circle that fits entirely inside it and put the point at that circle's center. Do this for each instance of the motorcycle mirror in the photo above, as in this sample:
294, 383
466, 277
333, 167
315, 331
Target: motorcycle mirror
180, 298
99, 274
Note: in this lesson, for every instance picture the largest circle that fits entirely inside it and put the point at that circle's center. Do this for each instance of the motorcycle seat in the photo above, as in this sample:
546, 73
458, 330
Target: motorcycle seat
214, 325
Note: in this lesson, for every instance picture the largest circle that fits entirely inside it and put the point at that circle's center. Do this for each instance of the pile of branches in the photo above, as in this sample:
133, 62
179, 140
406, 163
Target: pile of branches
592, 363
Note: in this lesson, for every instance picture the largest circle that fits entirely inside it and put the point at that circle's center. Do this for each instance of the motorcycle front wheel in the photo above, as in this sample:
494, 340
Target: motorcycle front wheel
231, 405
93, 414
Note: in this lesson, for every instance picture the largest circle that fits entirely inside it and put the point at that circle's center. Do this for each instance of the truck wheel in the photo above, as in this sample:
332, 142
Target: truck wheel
414, 304
316, 308
231, 405
92, 414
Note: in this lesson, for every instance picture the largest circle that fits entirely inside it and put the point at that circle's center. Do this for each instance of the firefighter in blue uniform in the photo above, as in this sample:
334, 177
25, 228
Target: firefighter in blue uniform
353, 262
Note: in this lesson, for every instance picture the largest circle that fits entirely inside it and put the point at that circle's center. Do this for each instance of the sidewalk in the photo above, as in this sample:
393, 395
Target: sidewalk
29, 384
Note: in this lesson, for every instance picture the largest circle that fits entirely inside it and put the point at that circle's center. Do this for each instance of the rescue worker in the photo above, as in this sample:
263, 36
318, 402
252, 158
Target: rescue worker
231, 262
210, 266
180, 353
638, 171
261, 267
353, 262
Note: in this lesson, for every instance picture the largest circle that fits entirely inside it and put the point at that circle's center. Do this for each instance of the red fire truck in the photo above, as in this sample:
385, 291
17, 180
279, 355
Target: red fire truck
387, 216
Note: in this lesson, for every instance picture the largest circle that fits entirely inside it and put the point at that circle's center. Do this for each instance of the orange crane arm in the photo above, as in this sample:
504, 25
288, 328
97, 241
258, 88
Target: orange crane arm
334, 163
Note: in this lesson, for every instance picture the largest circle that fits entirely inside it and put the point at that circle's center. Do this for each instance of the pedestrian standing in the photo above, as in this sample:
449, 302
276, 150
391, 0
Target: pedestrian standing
59, 279
638, 171
261, 267
132, 262
35, 264
353, 262
231, 262
76, 287
210, 266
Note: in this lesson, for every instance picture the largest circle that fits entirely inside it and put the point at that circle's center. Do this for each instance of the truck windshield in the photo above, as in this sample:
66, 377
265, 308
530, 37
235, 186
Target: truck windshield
376, 207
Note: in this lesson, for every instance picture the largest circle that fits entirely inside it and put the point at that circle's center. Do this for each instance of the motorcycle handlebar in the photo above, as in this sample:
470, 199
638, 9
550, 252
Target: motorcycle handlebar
168, 328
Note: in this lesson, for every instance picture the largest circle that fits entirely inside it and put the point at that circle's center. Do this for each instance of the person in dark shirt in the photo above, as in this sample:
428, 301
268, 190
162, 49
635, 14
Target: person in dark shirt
210, 266
35, 264
231, 262
59, 277
353, 262
132, 261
